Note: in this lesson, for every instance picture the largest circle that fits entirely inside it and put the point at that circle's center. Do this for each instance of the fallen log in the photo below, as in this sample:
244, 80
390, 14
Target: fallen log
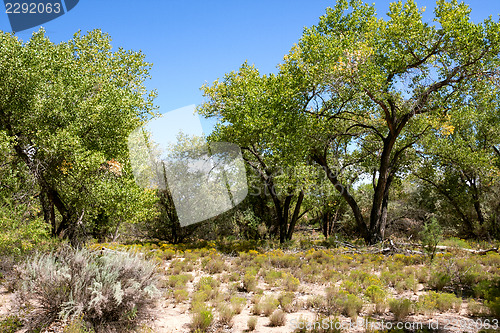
443, 247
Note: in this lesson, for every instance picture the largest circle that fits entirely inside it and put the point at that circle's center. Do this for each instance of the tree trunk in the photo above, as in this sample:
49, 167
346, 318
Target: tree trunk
49, 197
358, 216
295, 215
377, 222
326, 221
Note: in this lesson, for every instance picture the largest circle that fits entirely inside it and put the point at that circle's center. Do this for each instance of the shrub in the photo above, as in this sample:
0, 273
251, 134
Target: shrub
438, 301
199, 297
446, 301
316, 302
430, 236
257, 306
214, 265
179, 281
21, 233
476, 309
250, 280
77, 326
422, 275
272, 277
439, 280
252, 323
269, 304
226, 314
209, 286
290, 283
488, 289
377, 295
350, 286
343, 302
351, 306
101, 287
11, 324
181, 295
286, 301
400, 307
494, 307
202, 319
278, 318
238, 303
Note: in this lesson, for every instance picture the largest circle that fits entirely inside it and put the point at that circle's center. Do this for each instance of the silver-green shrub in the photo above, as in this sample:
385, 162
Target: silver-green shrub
104, 288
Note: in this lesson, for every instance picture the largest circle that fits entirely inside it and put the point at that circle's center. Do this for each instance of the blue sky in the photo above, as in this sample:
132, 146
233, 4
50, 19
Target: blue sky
194, 42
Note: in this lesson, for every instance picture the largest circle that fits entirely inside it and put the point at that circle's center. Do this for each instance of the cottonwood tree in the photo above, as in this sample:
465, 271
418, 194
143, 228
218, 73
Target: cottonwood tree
68, 109
357, 91
251, 112
373, 82
461, 162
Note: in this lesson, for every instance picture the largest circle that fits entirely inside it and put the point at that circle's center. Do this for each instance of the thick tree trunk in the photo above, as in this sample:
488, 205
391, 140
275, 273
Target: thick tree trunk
477, 202
49, 197
381, 193
326, 218
385, 202
295, 215
358, 216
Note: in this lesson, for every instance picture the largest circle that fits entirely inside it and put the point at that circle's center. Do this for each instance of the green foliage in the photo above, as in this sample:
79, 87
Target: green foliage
277, 318
439, 280
102, 288
430, 236
77, 325
359, 80
67, 109
343, 302
250, 280
378, 296
226, 314
488, 289
290, 283
238, 303
401, 308
21, 235
11, 324
250, 226
181, 295
202, 319
286, 301
443, 302
494, 307
268, 305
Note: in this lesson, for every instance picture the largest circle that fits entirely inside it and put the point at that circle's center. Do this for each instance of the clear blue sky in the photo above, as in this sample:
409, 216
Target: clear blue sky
193, 42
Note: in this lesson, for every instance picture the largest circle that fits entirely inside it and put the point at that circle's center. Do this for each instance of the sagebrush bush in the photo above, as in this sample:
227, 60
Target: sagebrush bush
268, 305
202, 318
100, 287
340, 301
252, 323
277, 318
439, 280
286, 301
226, 314
250, 280
238, 303
400, 307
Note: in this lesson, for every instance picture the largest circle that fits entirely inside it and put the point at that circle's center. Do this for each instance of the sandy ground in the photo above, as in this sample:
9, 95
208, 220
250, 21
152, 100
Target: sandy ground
168, 317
